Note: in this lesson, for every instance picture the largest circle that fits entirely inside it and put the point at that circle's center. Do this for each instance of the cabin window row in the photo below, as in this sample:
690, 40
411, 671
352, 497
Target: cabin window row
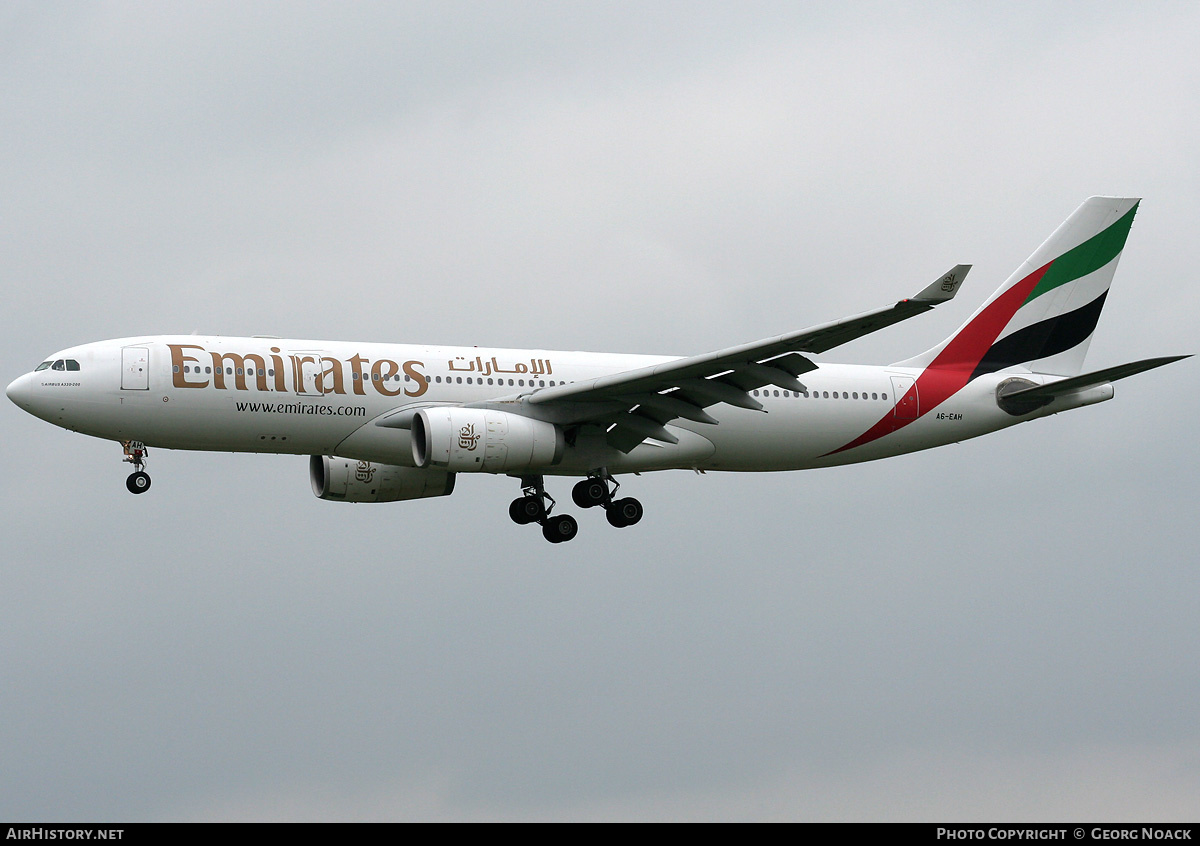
70, 364
514, 383
250, 371
821, 394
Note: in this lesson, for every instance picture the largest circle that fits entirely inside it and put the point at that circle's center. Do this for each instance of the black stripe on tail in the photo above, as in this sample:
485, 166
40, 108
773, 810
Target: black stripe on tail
1042, 340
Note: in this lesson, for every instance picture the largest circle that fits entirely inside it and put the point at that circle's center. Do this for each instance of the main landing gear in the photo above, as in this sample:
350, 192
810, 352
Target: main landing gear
595, 490
135, 453
535, 505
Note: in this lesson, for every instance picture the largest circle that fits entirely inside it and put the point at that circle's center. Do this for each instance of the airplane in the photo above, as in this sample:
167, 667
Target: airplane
391, 422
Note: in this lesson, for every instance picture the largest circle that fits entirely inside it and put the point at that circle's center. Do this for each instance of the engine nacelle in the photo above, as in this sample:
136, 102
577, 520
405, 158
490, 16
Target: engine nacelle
347, 480
474, 440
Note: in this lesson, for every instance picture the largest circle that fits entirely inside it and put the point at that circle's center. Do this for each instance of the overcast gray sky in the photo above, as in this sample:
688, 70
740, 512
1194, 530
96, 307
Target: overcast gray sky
1002, 629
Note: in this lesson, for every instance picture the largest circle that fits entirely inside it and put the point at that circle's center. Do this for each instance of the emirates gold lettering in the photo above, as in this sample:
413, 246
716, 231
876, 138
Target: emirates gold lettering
180, 362
358, 374
280, 384
382, 372
420, 384
330, 379
237, 366
307, 374
297, 377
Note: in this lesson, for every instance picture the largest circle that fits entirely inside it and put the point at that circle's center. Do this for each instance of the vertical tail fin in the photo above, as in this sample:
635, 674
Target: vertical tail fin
1043, 317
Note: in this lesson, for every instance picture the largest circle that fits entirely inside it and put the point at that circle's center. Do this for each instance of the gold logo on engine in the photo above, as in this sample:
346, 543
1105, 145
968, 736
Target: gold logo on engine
467, 437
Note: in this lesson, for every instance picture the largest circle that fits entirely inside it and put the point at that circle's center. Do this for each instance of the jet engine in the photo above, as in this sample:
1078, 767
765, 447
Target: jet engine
347, 480
478, 440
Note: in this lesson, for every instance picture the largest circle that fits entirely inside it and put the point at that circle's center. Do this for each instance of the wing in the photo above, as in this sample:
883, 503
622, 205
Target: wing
637, 404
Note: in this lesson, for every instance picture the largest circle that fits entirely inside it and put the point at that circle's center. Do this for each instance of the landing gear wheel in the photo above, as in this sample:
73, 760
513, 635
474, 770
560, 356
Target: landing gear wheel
525, 509
138, 482
589, 493
559, 529
624, 512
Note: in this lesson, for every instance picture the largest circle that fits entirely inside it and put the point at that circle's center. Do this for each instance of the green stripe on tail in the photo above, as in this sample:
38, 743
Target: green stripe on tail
1087, 258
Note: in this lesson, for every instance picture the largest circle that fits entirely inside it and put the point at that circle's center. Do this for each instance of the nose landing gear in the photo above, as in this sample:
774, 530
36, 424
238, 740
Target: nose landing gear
135, 454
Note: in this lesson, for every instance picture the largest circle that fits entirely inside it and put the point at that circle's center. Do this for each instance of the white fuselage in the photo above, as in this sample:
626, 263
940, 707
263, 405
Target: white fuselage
323, 398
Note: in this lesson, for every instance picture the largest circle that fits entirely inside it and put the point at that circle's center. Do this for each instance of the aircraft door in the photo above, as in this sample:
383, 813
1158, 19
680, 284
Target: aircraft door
907, 403
310, 373
135, 369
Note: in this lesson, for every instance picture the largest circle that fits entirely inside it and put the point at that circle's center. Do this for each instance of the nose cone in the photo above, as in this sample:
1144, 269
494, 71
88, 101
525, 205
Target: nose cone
20, 391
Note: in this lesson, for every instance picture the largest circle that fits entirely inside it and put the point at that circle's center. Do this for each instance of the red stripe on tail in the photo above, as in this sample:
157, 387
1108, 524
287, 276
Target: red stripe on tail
950, 371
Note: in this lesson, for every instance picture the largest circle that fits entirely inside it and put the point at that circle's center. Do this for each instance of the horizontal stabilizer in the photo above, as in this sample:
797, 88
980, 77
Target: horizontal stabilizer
1031, 399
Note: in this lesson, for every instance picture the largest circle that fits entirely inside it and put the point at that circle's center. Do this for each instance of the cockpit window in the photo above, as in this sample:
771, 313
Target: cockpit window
59, 365
72, 364
45, 365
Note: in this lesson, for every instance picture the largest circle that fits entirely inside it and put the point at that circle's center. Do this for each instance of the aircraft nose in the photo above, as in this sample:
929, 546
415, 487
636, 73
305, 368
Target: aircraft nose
18, 391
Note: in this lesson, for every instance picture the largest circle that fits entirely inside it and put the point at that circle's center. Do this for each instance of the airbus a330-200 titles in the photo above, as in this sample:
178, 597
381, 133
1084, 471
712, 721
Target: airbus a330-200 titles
388, 422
